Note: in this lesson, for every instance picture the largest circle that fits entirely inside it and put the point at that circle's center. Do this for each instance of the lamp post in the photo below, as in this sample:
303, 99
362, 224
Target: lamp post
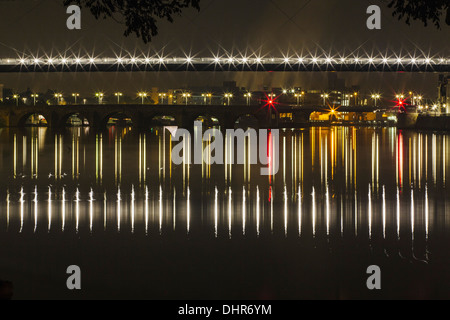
376, 97
325, 97
34, 96
100, 96
118, 95
162, 96
143, 95
419, 98
186, 96
298, 96
356, 98
16, 96
248, 96
75, 96
58, 97
207, 96
228, 96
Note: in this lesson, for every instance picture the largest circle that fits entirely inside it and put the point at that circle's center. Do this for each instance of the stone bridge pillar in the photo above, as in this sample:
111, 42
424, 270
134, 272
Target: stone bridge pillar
301, 117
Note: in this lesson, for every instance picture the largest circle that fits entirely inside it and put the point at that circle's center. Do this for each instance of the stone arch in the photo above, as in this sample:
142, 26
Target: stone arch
302, 117
248, 120
163, 119
207, 120
35, 119
83, 119
118, 118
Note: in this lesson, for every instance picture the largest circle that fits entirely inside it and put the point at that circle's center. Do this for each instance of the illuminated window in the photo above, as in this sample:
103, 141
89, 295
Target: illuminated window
286, 116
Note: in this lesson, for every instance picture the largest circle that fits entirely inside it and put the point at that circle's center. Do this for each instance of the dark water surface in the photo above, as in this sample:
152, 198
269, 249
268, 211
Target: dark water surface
140, 227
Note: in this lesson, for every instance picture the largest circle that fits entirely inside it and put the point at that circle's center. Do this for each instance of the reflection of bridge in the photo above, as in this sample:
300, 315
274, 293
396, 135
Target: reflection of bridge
143, 116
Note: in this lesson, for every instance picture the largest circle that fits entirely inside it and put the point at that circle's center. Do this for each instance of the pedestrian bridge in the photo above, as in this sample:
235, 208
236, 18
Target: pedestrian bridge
70, 64
146, 116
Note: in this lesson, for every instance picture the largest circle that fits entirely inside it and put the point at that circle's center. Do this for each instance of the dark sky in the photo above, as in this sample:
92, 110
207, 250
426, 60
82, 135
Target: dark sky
268, 27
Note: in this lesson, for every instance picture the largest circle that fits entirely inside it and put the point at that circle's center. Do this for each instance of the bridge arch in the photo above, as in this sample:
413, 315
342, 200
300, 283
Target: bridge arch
75, 119
35, 119
245, 121
207, 120
163, 120
118, 118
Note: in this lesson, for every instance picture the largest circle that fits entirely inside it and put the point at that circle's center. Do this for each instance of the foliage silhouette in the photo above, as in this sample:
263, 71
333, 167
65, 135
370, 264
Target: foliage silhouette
139, 16
426, 11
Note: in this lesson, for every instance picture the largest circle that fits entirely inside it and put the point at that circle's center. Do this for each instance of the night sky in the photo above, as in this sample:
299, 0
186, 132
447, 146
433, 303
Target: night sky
268, 27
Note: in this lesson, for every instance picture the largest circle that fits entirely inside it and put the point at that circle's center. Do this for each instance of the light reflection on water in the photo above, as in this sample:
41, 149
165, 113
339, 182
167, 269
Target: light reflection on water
381, 186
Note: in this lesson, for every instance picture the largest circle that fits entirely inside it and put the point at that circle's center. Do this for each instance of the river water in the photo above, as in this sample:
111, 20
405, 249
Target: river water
139, 226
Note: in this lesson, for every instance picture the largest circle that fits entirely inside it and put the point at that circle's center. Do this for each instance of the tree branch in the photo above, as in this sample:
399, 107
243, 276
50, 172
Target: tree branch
140, 16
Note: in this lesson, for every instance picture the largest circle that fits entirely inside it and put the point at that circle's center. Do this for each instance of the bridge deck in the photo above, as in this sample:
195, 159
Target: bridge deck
163, 64
183, 116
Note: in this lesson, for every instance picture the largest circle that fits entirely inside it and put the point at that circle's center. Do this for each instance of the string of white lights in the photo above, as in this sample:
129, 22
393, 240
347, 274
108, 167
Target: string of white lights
243, 61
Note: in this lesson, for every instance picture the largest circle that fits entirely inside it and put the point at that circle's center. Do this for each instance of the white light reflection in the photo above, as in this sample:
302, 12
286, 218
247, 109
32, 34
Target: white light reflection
243, 210
91, 209
49, 208
188, 210
174, 209
160, 208
119, 199
77, 209
22, 203
258, 212
434, 156
299, 210
35, 208
133, 198
15, 156
146, 210
314, 211
230, 211
285, 211
216, 211
327, 195
104, 211
7, 209
63, 209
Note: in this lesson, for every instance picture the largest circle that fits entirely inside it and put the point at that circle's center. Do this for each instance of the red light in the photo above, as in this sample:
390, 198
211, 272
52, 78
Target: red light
271, 101
401, 103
